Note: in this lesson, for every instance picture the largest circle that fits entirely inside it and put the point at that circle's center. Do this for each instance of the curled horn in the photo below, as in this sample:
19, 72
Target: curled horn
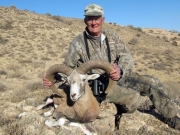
93, 64
57, 68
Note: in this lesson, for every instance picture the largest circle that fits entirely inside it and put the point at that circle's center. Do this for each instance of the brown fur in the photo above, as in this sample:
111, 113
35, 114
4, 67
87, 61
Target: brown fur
85, 109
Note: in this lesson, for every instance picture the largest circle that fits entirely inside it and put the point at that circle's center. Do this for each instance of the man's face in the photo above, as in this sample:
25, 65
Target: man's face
94, 24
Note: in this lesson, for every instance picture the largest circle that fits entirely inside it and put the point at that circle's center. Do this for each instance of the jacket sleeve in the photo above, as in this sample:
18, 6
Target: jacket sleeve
125, 61
72, 55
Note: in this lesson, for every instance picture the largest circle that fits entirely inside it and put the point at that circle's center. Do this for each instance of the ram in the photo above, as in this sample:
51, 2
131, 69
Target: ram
76, 102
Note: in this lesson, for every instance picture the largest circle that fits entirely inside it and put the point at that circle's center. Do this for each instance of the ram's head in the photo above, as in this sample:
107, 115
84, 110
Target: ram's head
78, 77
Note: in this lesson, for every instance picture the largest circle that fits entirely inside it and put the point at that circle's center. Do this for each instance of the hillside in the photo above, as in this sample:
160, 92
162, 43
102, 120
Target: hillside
31, 42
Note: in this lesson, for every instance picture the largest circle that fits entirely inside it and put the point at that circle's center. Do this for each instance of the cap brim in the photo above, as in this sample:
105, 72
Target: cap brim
93, 14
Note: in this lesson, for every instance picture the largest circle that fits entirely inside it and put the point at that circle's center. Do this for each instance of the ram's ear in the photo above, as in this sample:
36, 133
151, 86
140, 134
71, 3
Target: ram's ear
92, 77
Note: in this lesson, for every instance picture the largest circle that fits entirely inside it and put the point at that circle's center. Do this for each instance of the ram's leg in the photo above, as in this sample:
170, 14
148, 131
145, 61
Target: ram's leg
48, 113
86, 128
59, 122
21, 115
48, 101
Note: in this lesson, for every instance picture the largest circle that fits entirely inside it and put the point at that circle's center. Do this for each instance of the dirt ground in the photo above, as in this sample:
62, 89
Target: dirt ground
30, 43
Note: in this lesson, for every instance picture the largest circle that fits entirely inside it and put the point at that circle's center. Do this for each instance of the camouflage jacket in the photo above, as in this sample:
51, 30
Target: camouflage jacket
77, 51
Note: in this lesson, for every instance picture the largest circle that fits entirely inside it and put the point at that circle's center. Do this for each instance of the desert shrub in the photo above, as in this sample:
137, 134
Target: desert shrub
48, 14
3, 40
35, 85
38, 64
63, 55
69, 22
133, 41
17, 74
138, 35
135, 28
159, 66
12, 7
14, 129
13, 67
31, 124
8, 36
6, 25
20, 95
58, 18
173, 31
167, 52
165, 38
151, 31
3, 72
53, 55
2, 87
178, 34
147, 57
25, 61
174, 38
45, 59
3, 52
139, 70
174, 43
130, 26
5, 120
50, 52
139, 29
169, 57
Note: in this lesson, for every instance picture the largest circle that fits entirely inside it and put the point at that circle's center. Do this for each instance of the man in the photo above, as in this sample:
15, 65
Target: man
96, 43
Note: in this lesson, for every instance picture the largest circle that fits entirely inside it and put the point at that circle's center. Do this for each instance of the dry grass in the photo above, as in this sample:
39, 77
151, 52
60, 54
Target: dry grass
35, 85
30, 43
15, 128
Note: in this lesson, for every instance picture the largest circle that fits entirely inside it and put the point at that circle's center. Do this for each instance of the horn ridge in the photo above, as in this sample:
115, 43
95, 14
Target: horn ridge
57, 68
93, 64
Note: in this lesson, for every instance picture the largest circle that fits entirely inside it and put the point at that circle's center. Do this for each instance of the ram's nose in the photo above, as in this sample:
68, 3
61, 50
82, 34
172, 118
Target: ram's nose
73, 95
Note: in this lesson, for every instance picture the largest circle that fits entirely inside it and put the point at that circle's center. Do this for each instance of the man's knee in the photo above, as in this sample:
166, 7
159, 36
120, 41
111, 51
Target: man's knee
128, 98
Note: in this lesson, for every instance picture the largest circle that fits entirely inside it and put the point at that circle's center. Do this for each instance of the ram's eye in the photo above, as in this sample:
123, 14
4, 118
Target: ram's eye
84, 80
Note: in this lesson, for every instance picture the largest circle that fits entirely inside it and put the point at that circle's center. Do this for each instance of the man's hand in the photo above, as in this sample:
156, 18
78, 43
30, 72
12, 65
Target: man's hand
46, 82
116, 73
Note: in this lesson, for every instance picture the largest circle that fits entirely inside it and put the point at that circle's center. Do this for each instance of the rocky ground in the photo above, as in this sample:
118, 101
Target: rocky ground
30, 43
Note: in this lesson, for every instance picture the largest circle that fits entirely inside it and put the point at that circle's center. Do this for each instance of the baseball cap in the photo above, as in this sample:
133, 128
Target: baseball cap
93, 10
